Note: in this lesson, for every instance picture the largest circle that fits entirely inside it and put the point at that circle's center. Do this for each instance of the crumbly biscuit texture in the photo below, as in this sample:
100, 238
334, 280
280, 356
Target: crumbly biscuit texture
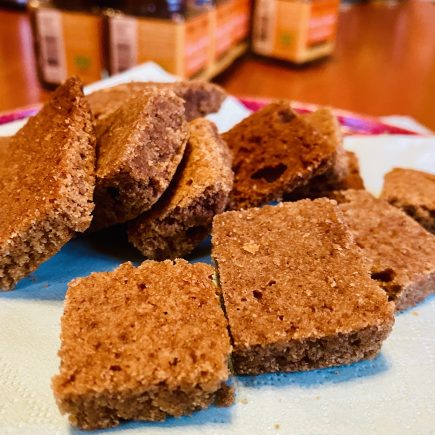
4, 147
353, 179
323, 185
414, 193
199, 191
344, 174
274, 152
401, 252
139, 148
142, 343
47, 183
297, 291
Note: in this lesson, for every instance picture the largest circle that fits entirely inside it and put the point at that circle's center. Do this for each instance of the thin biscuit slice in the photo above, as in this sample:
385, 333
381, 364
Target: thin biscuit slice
344, 174
296, 289
199, 191
142, 343
47, 183
4, 154
4, 147
401, 252
274, 152
200, 98
353, 179
139, 148
324, 120
414, 193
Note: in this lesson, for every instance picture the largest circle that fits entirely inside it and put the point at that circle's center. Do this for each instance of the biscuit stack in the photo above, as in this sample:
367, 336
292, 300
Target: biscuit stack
307, 283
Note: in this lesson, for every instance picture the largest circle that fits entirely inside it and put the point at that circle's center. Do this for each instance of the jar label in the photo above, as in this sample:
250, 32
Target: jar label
52, 48
123, 43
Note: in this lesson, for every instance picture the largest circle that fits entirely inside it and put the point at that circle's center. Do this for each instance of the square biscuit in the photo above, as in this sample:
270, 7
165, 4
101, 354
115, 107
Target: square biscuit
297, 292
142, 343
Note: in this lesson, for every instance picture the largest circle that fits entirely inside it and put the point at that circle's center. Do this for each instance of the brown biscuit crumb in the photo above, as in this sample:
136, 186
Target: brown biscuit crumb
326, 123
414, 193
344, 174
304, 299
142, 344
200, 190
274, 152
4, 154
324, 120
200, 98
4, 149
353, 179
323, 185
47, 183
401, 252
139, 148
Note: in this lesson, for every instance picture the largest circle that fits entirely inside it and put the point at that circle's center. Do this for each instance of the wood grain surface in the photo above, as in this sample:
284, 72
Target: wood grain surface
384, 64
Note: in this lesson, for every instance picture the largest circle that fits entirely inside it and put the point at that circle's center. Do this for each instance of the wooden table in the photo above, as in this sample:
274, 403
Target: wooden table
384, 64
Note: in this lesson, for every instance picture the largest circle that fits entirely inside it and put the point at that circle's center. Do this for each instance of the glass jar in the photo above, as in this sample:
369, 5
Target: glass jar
68, 40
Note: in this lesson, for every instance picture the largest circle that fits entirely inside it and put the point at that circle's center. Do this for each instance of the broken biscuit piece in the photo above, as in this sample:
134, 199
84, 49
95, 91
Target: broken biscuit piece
275, 152
401, 252
414, 193
343, 175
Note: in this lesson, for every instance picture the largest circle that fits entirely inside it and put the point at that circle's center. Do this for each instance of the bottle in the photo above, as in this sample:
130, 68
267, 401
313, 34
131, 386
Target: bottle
298, 31
166, 9
68, 40
176, 34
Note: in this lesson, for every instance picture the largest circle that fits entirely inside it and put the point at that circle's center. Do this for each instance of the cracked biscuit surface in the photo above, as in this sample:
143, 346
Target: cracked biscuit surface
142, 343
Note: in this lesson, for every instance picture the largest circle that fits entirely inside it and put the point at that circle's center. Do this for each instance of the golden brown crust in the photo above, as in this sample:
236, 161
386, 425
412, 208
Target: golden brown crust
296, 289
326, 123
401, 252
48, 183
4, 147
353, 179
139, 148
200, 98
136, 344
324, 120
199, 191
343, 175
274, 152
414, 193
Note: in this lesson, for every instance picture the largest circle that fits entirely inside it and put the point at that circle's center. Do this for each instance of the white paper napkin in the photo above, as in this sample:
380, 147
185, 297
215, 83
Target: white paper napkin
393, 394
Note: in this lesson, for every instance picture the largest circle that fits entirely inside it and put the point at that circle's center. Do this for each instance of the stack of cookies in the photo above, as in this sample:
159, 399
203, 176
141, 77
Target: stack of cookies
307, 283
138, 154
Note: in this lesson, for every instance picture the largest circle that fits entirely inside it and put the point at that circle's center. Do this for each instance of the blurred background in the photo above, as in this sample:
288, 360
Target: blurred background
375, 57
